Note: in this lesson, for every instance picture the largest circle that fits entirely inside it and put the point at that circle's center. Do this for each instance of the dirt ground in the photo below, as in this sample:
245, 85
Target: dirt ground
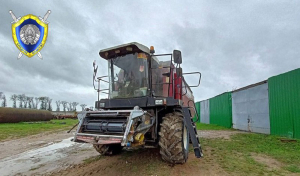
42, 154
55, 154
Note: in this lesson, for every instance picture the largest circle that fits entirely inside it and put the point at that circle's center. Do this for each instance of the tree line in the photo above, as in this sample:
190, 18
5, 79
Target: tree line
33, 103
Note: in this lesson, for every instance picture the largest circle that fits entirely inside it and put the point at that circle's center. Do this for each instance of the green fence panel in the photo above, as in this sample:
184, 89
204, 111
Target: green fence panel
220, 111
284, 104
197, 106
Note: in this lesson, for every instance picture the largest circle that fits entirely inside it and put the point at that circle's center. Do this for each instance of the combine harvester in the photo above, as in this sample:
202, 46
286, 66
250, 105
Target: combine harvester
148, 105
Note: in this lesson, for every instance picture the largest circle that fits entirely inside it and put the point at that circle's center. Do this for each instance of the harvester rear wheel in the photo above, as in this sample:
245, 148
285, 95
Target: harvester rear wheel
174, 138
111, 149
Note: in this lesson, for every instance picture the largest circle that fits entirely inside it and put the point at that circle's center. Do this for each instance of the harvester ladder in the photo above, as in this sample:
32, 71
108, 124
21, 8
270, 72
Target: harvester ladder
193, 131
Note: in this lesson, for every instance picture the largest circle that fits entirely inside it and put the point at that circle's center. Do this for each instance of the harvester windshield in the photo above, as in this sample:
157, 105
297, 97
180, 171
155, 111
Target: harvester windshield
128, 76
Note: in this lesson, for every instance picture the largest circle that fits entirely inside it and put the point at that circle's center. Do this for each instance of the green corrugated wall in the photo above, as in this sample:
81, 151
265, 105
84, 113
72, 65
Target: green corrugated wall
284, 104
220, 110
197, 106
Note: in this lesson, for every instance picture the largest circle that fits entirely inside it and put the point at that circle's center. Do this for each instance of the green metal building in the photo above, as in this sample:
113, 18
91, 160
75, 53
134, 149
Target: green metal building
284, 104
220, 110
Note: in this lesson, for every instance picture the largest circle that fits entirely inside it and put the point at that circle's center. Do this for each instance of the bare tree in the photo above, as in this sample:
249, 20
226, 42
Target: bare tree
64, 103
21, 99
30, 102
46, 103
37, 101
70, 106
92, 108
25, 101
43, 102
1, 95
58, 103
4, 103
14, 98
83, 106
49, 104
74, 104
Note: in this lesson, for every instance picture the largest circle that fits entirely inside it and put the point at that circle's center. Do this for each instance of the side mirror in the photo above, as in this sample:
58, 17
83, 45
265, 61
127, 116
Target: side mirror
177, 56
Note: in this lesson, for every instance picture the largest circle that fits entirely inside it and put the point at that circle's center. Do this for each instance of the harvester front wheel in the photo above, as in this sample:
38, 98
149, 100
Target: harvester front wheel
111, 149
174, 138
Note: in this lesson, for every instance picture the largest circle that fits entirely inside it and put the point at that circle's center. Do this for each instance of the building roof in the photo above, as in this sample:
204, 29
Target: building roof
251, 85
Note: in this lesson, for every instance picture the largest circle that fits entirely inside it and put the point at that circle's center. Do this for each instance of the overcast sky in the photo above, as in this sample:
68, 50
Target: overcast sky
232, 43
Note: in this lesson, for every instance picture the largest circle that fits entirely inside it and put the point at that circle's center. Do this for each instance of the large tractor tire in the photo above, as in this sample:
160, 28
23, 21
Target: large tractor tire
111, 149
174, 139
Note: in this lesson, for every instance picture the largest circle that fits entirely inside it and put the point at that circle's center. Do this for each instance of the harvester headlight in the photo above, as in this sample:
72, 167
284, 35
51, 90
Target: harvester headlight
129, 48
158, 102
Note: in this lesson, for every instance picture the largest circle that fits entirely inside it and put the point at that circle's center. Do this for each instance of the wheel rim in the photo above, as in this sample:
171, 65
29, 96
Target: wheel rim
185, 139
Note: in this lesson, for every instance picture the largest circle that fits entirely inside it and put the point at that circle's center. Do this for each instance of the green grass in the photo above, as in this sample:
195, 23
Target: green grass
203, 126
293, 168
22, 129
235, 155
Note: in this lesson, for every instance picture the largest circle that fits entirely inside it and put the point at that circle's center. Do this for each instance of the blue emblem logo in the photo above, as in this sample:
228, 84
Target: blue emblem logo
30, 34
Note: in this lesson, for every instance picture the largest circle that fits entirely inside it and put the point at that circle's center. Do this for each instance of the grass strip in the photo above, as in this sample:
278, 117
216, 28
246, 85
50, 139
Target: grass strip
22, 129
236, 155
203, 126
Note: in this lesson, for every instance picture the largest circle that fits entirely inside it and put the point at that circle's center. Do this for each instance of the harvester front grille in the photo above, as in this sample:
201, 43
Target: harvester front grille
106, 126
98, 122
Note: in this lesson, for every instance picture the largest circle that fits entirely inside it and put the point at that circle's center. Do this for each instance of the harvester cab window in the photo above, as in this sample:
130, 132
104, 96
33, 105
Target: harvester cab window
128, 76
160, 78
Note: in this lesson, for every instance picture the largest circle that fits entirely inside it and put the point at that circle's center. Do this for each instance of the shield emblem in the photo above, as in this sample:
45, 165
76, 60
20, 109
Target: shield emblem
30, 34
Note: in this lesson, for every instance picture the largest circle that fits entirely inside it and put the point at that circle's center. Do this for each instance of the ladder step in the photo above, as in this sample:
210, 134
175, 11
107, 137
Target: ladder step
191, 126
198, 152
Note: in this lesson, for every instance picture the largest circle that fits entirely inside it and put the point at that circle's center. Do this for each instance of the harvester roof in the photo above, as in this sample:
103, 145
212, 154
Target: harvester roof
124, 49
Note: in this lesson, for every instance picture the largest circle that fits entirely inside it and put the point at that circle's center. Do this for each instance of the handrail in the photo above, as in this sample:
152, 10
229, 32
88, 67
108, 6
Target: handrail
100, 79
194, 73
102, 90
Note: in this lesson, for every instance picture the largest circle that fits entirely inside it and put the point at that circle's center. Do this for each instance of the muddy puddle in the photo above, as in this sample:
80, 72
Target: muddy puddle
45, 159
